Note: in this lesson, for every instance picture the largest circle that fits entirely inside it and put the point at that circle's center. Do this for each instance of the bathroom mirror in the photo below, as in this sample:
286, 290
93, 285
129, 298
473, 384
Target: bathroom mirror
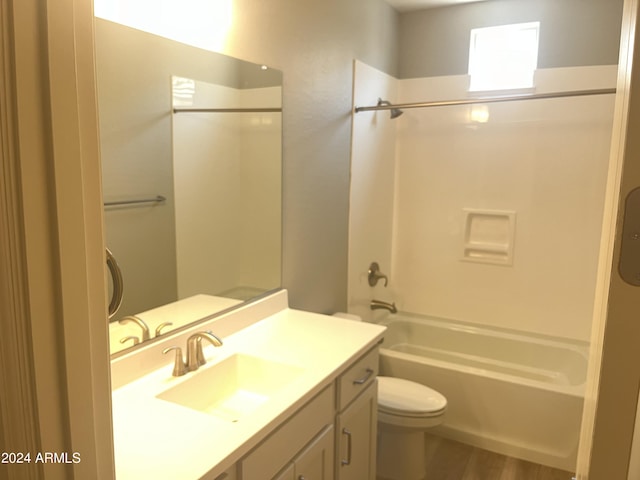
191, 163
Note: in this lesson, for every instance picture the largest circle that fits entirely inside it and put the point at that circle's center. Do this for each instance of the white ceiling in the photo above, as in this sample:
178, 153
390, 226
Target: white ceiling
407, 5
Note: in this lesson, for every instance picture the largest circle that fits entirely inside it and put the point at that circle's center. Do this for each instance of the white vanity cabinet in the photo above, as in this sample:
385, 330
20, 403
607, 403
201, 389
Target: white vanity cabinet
314, 462
303, 443
333, 436
317, 416
356, 422
356, 433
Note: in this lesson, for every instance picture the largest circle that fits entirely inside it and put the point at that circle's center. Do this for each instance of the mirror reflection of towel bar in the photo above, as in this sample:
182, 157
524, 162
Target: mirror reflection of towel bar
156, 199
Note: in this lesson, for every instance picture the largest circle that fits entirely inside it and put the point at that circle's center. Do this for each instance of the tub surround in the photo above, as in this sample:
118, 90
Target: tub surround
509, 185
161, 439
541, 164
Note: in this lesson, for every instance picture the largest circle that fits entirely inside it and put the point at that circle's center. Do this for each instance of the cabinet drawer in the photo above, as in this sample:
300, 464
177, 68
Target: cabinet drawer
359, 376
283, 444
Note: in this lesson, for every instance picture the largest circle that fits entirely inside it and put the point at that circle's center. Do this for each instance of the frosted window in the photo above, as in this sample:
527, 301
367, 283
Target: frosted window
504, 57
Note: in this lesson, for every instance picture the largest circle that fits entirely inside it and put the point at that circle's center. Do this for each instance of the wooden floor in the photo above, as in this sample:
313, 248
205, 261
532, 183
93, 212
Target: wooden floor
449, 460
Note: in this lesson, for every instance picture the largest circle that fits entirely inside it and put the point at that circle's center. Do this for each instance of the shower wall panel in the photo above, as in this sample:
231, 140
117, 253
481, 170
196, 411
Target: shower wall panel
545, 160
372, 188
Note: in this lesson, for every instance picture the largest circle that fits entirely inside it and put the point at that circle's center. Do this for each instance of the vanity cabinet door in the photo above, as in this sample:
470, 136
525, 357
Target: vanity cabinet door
283, 446
356, 437
315, 462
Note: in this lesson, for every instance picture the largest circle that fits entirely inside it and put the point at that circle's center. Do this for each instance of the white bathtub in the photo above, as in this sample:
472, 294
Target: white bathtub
516, 394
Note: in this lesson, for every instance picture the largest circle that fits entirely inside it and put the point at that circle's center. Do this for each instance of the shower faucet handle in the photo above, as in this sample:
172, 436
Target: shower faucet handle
376, 275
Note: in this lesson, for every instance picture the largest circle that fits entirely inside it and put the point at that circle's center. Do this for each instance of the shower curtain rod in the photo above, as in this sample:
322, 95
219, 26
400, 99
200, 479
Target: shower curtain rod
506, 98
227, 110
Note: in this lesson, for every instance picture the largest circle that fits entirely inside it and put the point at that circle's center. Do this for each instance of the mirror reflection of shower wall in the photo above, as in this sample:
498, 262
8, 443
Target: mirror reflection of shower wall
215, 241
226, 174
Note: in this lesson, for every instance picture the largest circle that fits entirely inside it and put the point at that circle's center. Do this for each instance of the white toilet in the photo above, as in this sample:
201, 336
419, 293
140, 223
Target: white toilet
405, 411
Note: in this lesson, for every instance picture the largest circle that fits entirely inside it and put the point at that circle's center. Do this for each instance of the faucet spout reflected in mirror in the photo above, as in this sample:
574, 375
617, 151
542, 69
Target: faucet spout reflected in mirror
138, 321
379, 304
195, 356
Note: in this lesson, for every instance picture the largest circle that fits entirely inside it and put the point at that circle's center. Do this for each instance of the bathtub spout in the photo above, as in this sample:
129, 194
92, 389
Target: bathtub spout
379, 304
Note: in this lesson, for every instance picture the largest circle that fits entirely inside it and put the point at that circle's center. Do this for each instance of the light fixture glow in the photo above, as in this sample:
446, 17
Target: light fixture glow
201, 23
479, 113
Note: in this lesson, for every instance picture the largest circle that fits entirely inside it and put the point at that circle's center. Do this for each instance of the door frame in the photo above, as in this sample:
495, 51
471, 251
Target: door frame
614, 365
54, 345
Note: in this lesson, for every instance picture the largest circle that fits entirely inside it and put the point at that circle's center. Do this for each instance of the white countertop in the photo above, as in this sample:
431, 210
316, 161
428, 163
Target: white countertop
158, 439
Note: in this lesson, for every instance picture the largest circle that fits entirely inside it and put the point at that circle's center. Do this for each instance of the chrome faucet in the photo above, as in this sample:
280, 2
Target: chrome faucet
138, 321
195, 356
379, 304
179, 367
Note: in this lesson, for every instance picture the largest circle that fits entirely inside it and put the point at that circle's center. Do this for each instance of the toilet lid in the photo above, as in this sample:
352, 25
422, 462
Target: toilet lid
410, 398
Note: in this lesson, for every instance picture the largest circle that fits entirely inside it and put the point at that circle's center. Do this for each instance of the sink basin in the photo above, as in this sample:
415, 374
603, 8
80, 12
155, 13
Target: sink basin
233, 387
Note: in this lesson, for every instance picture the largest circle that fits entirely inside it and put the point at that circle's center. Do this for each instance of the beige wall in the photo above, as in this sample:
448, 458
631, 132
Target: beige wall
572, 33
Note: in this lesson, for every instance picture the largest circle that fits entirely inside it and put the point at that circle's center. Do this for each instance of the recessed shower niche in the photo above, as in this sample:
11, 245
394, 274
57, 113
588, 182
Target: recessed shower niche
488, 236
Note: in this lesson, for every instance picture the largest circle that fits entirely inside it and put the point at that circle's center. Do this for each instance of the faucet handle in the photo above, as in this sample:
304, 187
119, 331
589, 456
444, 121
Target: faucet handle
133, 338
179, 367
375, 275
160, 327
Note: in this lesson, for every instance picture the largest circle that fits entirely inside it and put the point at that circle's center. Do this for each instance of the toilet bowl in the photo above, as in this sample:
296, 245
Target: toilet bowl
405, 411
